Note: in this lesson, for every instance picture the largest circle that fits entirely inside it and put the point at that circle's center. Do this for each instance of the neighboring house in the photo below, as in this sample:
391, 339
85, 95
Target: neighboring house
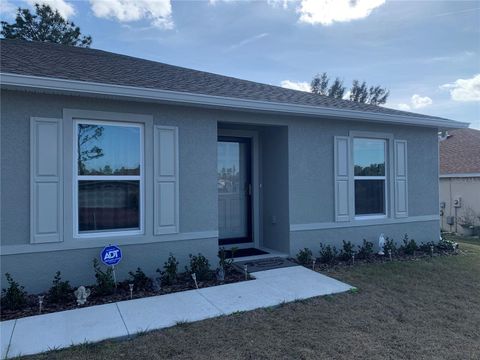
460, 180
99, 148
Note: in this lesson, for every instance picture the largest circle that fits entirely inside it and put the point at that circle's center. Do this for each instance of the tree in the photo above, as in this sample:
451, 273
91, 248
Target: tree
319, 84
337, 89
359, 92
46, 25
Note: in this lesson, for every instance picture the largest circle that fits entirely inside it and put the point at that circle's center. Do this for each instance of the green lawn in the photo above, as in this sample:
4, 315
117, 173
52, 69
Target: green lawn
423, 309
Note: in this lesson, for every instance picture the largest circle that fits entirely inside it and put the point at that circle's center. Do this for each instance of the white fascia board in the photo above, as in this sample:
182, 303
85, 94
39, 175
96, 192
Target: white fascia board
460, 175
15, 81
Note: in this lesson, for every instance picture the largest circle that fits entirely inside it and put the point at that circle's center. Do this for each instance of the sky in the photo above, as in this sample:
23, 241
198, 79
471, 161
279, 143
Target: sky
427, 53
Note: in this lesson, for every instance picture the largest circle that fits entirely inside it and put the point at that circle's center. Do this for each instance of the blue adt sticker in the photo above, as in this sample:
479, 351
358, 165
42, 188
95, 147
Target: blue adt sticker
111, 255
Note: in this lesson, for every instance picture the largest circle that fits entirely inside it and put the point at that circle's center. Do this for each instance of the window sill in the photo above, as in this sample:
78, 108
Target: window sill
370, 217
108, 234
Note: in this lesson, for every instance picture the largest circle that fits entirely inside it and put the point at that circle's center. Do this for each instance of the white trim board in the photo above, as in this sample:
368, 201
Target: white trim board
459, 175
62, 86
360, 223
101, 242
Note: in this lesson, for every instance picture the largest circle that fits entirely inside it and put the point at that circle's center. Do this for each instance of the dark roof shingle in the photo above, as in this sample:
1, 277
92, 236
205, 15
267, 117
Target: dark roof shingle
460, 152
73, 63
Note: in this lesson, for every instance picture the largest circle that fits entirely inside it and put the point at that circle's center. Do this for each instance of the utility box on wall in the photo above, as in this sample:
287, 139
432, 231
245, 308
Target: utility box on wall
450, 220
457, 202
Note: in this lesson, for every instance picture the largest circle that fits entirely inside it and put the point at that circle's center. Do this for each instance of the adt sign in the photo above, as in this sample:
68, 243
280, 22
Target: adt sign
111, 255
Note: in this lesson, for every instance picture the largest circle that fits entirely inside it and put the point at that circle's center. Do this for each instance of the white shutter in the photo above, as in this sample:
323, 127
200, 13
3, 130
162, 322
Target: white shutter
401, 181
342, 183
46, 189
165, 156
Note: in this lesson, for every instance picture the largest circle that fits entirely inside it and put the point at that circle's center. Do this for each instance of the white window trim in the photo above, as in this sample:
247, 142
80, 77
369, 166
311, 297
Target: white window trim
106, 233
388, 143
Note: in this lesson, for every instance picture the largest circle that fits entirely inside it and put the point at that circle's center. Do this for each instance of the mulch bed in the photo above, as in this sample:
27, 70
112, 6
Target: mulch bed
378, 259
184, 282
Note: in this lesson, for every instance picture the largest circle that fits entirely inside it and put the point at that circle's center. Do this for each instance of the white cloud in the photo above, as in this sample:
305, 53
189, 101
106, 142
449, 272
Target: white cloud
464, 89
420, 102
296, 85
416, 102
159, 12
64, 8
326, 12
404, 107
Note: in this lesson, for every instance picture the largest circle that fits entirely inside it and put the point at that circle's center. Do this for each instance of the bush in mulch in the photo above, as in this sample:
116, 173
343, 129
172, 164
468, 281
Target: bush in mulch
16, 303
348, 256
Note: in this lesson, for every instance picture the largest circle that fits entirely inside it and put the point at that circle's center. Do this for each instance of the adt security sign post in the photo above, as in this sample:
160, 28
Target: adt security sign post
111, 256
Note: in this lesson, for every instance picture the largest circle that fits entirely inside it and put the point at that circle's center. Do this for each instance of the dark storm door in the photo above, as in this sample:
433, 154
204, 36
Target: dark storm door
234, 190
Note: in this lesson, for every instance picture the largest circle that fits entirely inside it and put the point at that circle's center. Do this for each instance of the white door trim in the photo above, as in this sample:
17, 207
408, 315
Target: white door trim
256, 185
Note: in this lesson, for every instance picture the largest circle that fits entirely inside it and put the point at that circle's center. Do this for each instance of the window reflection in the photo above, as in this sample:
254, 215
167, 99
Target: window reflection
108, 150
369, 158
228, 167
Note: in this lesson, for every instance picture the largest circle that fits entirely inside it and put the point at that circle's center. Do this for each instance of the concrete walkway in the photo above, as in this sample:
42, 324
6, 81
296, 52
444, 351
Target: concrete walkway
40, 333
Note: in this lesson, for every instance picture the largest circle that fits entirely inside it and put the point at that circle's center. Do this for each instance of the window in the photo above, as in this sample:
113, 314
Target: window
369, 177
108, 178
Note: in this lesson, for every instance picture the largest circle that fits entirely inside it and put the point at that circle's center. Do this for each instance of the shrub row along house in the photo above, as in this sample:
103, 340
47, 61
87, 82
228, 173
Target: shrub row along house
100, 148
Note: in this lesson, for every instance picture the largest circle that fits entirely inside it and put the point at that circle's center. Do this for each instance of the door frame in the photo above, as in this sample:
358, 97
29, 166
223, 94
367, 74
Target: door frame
256, 185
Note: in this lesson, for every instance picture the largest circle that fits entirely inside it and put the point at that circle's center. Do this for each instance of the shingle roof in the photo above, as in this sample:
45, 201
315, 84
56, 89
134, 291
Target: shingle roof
460, 152
82, 64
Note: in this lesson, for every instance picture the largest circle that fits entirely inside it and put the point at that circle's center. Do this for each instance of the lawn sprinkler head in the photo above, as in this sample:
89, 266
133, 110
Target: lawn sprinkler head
40, 303
130, 287
194, 277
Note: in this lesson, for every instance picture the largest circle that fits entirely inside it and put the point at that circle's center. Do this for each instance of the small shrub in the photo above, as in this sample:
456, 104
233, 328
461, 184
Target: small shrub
447, 245
223, 262
200, 266
347, 251
105, 282
365, 252
305, 256
328, 254
140, 280
61, 291
426, 247
409, 246
389, 245
170, 269
14, 297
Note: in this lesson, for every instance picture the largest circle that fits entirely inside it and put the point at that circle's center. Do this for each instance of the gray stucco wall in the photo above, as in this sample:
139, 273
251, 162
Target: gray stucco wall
300, 154
311, 167
276, 224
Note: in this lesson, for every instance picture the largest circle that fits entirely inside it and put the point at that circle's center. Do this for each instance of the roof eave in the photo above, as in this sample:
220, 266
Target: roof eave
16, 81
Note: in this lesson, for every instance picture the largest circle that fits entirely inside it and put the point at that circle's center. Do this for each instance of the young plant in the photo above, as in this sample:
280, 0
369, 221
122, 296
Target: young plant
305, 257
365, 252
200, 266
347, 251
61, 291
328, 254
389, 246
14, 297
409, 245
170, 269
224, 262
140, 280
426, 247
105, 282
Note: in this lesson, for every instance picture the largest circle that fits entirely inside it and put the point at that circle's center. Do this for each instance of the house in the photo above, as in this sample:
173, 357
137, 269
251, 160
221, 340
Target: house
101, 148
460, 180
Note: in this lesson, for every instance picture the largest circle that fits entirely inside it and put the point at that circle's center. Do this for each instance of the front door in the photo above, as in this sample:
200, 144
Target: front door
234, 190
